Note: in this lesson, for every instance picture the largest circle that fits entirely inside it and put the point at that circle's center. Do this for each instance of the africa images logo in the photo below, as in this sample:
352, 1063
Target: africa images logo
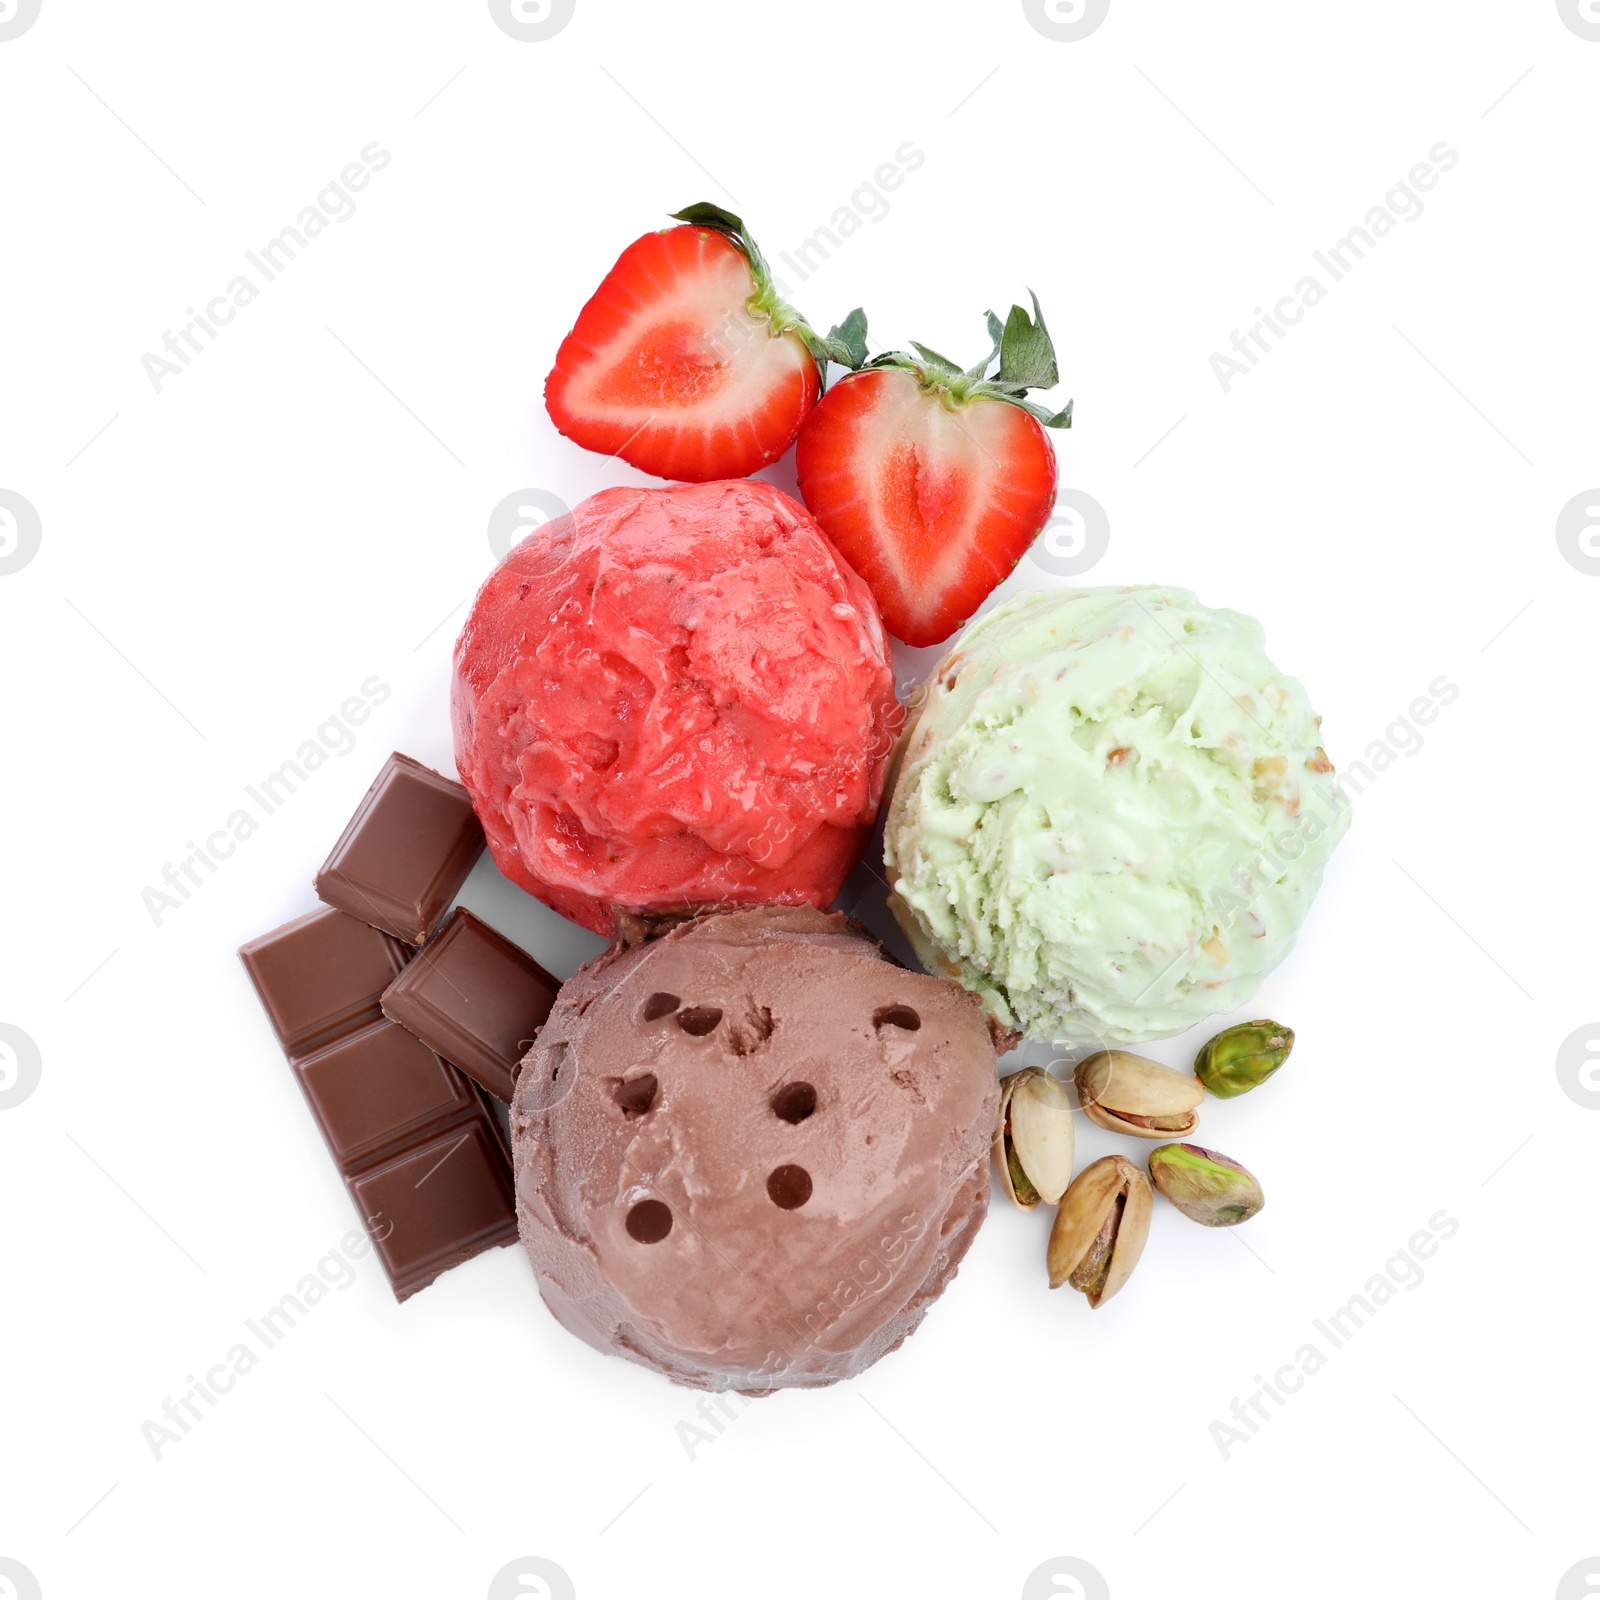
532, 21
1065, 21
1065, 1578
531, 1578
16, 17
1582, 16
521, 514
20, 532
15, 1579
21, 1066
1578, 532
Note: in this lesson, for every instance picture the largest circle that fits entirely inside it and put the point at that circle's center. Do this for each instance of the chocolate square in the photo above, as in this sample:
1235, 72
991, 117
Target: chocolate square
405, 853
439, 1204
378, 1090
476, 999
321, 976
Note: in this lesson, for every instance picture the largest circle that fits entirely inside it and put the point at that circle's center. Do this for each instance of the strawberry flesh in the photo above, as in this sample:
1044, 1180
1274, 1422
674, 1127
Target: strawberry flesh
933, 501
670, 368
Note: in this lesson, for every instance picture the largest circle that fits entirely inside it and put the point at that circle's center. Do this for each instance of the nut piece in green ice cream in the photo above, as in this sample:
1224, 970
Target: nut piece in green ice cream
1101, 1228
1208, 1187
1125, 1093
1033, 1139
1112, 814
1243, 1057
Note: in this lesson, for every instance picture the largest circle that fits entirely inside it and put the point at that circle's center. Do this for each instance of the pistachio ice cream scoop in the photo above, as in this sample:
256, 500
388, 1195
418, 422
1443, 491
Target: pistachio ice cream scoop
1112, 814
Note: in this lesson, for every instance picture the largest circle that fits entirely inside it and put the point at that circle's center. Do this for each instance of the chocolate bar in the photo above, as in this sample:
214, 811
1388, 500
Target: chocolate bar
476, 999
388, 1107
404, 855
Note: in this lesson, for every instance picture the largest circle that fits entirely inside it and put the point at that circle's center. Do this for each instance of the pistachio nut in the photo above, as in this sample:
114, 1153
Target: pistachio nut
1127, 1094
1033, 1138
1100, 1229
1243, 1057
1212, 1189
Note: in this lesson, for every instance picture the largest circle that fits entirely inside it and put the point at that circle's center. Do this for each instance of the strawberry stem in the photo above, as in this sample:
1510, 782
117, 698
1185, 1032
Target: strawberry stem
1022, 344
1027, 360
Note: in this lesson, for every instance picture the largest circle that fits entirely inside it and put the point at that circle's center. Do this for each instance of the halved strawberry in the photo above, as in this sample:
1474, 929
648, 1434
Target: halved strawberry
685, 362
930, 480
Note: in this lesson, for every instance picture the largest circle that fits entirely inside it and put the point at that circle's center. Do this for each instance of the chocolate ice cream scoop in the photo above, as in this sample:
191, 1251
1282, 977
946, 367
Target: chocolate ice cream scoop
752, 1151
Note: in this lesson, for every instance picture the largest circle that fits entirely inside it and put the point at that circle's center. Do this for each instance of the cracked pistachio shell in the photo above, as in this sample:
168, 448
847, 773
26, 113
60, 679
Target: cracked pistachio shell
1243, 1057
1210, 1188
1125, 1093
1100, 1229
1033, 1139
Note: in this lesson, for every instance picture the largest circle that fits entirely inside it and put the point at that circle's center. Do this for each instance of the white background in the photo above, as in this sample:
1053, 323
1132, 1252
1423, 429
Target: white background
229, 559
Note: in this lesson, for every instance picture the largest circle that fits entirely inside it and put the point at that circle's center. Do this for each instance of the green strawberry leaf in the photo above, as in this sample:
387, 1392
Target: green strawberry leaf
846, 342
1057, 419
996, 333
706, 215
1027, 357
703, 214
934, 359
1021, 343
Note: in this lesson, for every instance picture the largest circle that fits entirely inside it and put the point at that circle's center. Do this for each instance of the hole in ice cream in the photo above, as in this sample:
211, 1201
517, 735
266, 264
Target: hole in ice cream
751, 1032
637, 1095
659, 1005
699, 1020
896, 1017
789, 1187
651, 1221
794, 1102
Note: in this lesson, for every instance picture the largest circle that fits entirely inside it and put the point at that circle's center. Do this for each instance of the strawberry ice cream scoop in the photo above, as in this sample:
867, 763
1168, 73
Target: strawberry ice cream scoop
675, 698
